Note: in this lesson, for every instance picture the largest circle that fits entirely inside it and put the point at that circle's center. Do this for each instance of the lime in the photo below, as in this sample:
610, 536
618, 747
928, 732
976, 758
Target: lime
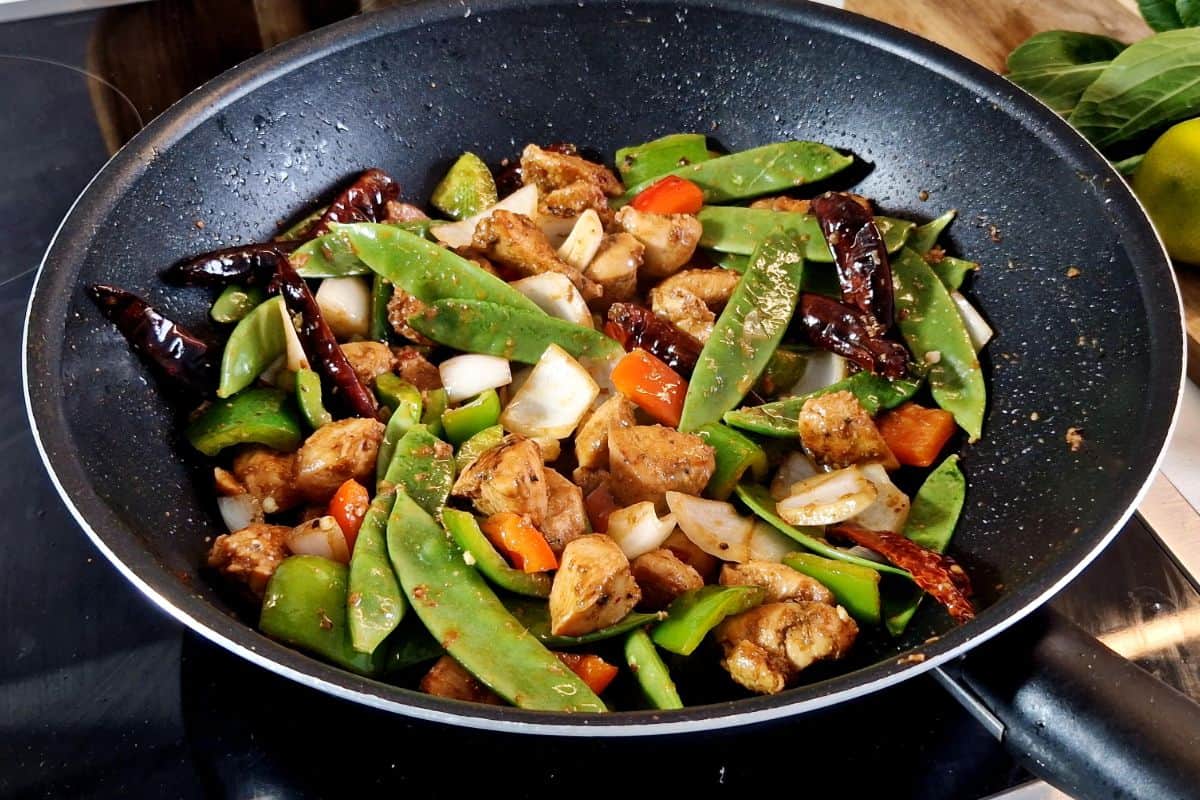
1168, 184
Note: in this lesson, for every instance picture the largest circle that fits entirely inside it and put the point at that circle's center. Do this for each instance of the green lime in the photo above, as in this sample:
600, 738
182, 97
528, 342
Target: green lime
1168, 184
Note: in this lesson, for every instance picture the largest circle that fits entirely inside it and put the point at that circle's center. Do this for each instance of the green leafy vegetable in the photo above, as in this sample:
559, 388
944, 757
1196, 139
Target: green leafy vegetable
1189, 12
1161, 15
1058, 66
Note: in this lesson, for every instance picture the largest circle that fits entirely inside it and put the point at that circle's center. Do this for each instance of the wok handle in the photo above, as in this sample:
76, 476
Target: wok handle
1079, 716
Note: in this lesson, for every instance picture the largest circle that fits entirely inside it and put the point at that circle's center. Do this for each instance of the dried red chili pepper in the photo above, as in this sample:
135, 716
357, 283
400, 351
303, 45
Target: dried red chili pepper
851, 334
320, 345
184, 361
939, 575
365, 200
637, 326
249, 265
864, 272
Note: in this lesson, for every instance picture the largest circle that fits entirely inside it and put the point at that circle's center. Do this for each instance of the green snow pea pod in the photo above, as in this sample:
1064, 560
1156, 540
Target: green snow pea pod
466, 189
335, 255
374, 605
301, 226
747, 332
934, 330
645, 163
855, 587
759, 500
381, 294
925, 236
931, 522
471, 449
952, 271
305, 606
255, 342
485, 558
761, 170
308, 397
483, 411
436, 401
423, 465
409, 646
651, 672
235, 302
737, 230
476, 326
255, 416
535, 616
781, 418
735, 454
693, 614
733, 261
787, 365
463, 614
405, 414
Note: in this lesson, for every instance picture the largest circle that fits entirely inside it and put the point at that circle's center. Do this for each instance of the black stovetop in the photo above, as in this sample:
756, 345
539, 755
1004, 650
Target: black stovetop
103, 696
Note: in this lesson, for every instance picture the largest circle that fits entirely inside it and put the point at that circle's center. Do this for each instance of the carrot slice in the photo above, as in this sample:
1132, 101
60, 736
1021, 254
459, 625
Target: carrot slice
651, 385
671, 195
591, 669
522, 543
915, 434
348, 506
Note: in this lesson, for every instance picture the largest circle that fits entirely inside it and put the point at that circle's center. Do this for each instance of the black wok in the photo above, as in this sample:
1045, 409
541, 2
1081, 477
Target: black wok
409, 88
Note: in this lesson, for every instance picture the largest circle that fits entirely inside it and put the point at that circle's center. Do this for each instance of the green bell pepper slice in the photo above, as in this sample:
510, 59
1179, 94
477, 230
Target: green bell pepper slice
952, 271
308, 398
405, 414
423, 465
256, 341
855, 587
466, 189
255, 416
646, 163
925, 236
738, 231
535, 616
735, 455
483, 411
472, 448
381, 295
393, 391
436, 401
485, 558
235, 302
305, 606
650, 671
374, 604
693, 614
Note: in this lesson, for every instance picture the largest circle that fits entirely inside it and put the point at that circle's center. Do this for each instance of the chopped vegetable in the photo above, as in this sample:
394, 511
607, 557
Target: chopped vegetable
295, 359
924, 237
320, 537
535, 616
523, 544
781, 418
553, 399
235, 302
469, 375
554, 293
308, 398
423, 466
381, 294
977, 327
737, 230
255, 342
637, 528
916, 435
821, 369
375, 604
854, 586
239, 511
482, 441
459, 234
460, 424
582, 243
827, 497
889, 512
436, 402
670, 195
349, 507
645, 162
591, 669
651, 385
694, 614
735, 455
466, 189
346, 305
651, 672
254, 416
717, 529
952, 271
465, 530
405, 414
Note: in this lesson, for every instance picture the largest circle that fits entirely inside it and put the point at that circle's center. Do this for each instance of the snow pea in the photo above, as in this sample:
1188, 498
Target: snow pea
410, 645
483, 411
934, 330
255, 342
381, 294
747, 332
786, 367
645, 163
485, 558
855, 587
471, 449
735, 454
651, 672
235, 302
466, 189
424, 467
781, 418
300, 228
931, 522
463, 613
308, 398
737, 230
255, 416
478, 326
405, 414
334, 255
693, 614
759, 500
374, 605
436, 401
925, 236
305, 606
535, 616
762, 170
952, 271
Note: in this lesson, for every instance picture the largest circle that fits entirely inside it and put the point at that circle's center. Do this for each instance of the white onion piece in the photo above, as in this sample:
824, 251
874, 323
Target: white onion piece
319, 537
295, 358
637, 528
768, 544
601, 370
889, 512
346, 306
554, 293
795, 468
557, 229
239, 511
717, 529
459, 234
467, 375
581, 245
977, 328
821, 369
553, 399
827, 498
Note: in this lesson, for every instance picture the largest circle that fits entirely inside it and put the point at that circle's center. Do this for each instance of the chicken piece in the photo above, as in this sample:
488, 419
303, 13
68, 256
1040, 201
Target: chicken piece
670, 239
767, 647
369, 360
269, 477
591, 439
662, 577
684, 310
227, 484
251, 555
690, 553
647, 461
395, 211
402, 307
615, 269
416, 369
782, 583
573, 199
514, 242
593, 588
588, 479
334, 454
549, 170
566, 519
713, 287
837, 431
507, 477
448, 678
782, 203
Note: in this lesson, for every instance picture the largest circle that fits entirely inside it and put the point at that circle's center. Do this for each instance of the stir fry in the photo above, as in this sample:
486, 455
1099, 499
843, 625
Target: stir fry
583, 425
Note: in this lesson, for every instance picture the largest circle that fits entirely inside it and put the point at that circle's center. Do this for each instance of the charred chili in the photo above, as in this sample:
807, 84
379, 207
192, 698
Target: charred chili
860, 254
365, 200
636, 326
248, 265
850, 333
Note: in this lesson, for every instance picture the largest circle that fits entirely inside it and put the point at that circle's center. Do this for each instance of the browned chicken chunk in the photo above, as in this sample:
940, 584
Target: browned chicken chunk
416, 369
566, 519
448, 678
549, 170
369, 360
615, 269
713, 286
782, 203
690, 553
647, 461
573, 199
227, 484
513, 241
685, 311
251, 555
395, 211
662, 577
400, 309
507, 477
593, 588
782, 583
837, 431
269, 477
589, 480
670, 239
767, 647
591, 439
334, 454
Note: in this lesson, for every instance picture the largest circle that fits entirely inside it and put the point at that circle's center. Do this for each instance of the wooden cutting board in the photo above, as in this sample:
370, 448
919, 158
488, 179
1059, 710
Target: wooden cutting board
986, 31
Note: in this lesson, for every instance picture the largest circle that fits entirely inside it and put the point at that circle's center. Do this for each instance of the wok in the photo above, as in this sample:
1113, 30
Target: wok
409, 88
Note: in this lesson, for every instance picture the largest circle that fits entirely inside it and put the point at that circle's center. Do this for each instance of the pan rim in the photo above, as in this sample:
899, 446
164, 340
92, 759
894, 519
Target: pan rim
200, 616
